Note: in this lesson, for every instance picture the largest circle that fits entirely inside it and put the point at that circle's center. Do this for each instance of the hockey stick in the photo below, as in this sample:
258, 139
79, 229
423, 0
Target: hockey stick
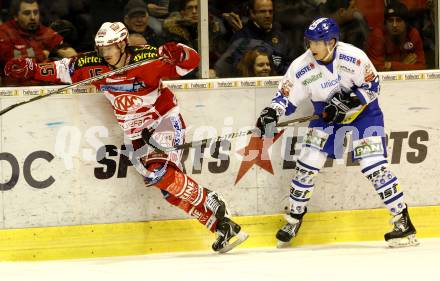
80, 83
151, 142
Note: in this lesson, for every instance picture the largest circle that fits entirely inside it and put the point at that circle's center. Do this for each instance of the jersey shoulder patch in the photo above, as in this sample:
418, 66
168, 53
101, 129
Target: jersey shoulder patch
146, 52
88, 59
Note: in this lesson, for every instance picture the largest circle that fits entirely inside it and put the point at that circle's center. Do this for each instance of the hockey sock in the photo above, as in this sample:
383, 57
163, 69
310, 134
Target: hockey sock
301, 187
181, 186
386, 185
183, 192
203, 215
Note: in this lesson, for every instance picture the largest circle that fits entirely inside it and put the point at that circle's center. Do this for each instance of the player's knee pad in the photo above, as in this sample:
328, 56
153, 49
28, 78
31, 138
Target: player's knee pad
179, 185
156, 172
312, 157
375, 168
304, 175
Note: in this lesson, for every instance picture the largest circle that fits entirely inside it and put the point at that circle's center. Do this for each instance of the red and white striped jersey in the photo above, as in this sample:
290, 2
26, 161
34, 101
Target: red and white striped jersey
138, 98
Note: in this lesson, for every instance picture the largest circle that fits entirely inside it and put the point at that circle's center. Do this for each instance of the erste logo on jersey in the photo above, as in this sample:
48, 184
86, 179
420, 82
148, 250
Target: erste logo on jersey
304, 70
350, 59
127, 102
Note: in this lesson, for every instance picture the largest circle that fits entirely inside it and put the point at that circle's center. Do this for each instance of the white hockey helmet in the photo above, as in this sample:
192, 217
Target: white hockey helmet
111, 33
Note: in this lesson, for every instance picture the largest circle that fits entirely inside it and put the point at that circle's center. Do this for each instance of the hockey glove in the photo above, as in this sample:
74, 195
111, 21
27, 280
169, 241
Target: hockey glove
267, 122
21, 68
172, 53
338, 106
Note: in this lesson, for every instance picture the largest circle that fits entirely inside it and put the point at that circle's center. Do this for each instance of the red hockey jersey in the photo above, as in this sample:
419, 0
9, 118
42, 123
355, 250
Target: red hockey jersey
137, 96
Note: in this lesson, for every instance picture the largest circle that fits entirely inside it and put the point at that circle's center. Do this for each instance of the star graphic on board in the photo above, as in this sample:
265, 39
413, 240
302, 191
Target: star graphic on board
256, 153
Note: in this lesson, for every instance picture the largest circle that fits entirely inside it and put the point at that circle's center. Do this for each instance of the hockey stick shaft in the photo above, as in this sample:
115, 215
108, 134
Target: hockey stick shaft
80, 83
198, 143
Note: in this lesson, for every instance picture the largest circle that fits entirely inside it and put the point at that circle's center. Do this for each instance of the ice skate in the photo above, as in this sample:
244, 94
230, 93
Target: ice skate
227, 230
403, 233
289, 230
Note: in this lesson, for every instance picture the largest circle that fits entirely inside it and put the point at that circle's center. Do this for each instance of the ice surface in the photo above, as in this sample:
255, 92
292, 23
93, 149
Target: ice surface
369, 261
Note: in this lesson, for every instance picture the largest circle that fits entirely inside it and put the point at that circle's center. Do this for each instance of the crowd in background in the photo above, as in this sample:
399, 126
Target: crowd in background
247, 38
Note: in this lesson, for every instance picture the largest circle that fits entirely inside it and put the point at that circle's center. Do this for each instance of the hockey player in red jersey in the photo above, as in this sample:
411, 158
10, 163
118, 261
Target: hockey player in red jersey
144, 109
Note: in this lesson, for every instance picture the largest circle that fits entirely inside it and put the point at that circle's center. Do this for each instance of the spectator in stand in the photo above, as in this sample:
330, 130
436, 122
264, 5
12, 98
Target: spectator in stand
136, 19
24, 36
353, 28
181, 25
255, 63
80, 36
136, 39
232, 12
398, 46
293, 26
158, 10
373, 12
260, 30
70, 34
422, 16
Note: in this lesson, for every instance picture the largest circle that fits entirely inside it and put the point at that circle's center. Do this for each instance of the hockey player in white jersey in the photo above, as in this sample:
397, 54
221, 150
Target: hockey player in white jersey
343, 86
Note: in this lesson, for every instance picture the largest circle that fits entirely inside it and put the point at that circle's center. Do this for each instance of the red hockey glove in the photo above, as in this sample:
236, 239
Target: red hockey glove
21, 68
172, 53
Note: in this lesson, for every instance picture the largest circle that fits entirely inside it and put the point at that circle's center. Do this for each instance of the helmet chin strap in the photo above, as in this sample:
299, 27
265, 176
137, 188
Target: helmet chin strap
330, 53
120, 57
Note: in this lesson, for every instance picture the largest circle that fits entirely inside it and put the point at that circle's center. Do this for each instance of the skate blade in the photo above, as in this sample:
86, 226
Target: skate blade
282, 245
240, 238
408, 241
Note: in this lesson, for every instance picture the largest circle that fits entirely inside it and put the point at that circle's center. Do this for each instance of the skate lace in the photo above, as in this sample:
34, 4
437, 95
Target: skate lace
399, 222
289, 228
212, 202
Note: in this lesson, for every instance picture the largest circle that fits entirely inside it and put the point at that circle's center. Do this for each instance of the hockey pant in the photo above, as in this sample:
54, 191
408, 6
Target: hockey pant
178, 189
183, 192
374, 168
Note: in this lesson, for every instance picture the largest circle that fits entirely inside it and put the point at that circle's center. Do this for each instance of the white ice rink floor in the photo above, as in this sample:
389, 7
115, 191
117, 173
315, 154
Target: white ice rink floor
371, 261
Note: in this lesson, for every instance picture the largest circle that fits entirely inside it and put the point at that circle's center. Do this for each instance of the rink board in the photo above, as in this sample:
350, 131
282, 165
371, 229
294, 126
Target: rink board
122, 239
55, 183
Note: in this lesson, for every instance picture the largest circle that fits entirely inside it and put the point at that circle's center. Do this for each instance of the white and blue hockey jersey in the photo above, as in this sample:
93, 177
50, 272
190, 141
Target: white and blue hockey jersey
306, 78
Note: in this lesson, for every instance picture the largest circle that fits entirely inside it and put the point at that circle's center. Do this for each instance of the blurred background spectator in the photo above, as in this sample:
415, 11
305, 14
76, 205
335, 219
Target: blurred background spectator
70, 34
373, 12
158, 11
354, 29
136, 19
181, 25
236, 27
398, 46
255, 63
225, 18
260, 30
295, 17
77, 13
24, 36
136, 39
